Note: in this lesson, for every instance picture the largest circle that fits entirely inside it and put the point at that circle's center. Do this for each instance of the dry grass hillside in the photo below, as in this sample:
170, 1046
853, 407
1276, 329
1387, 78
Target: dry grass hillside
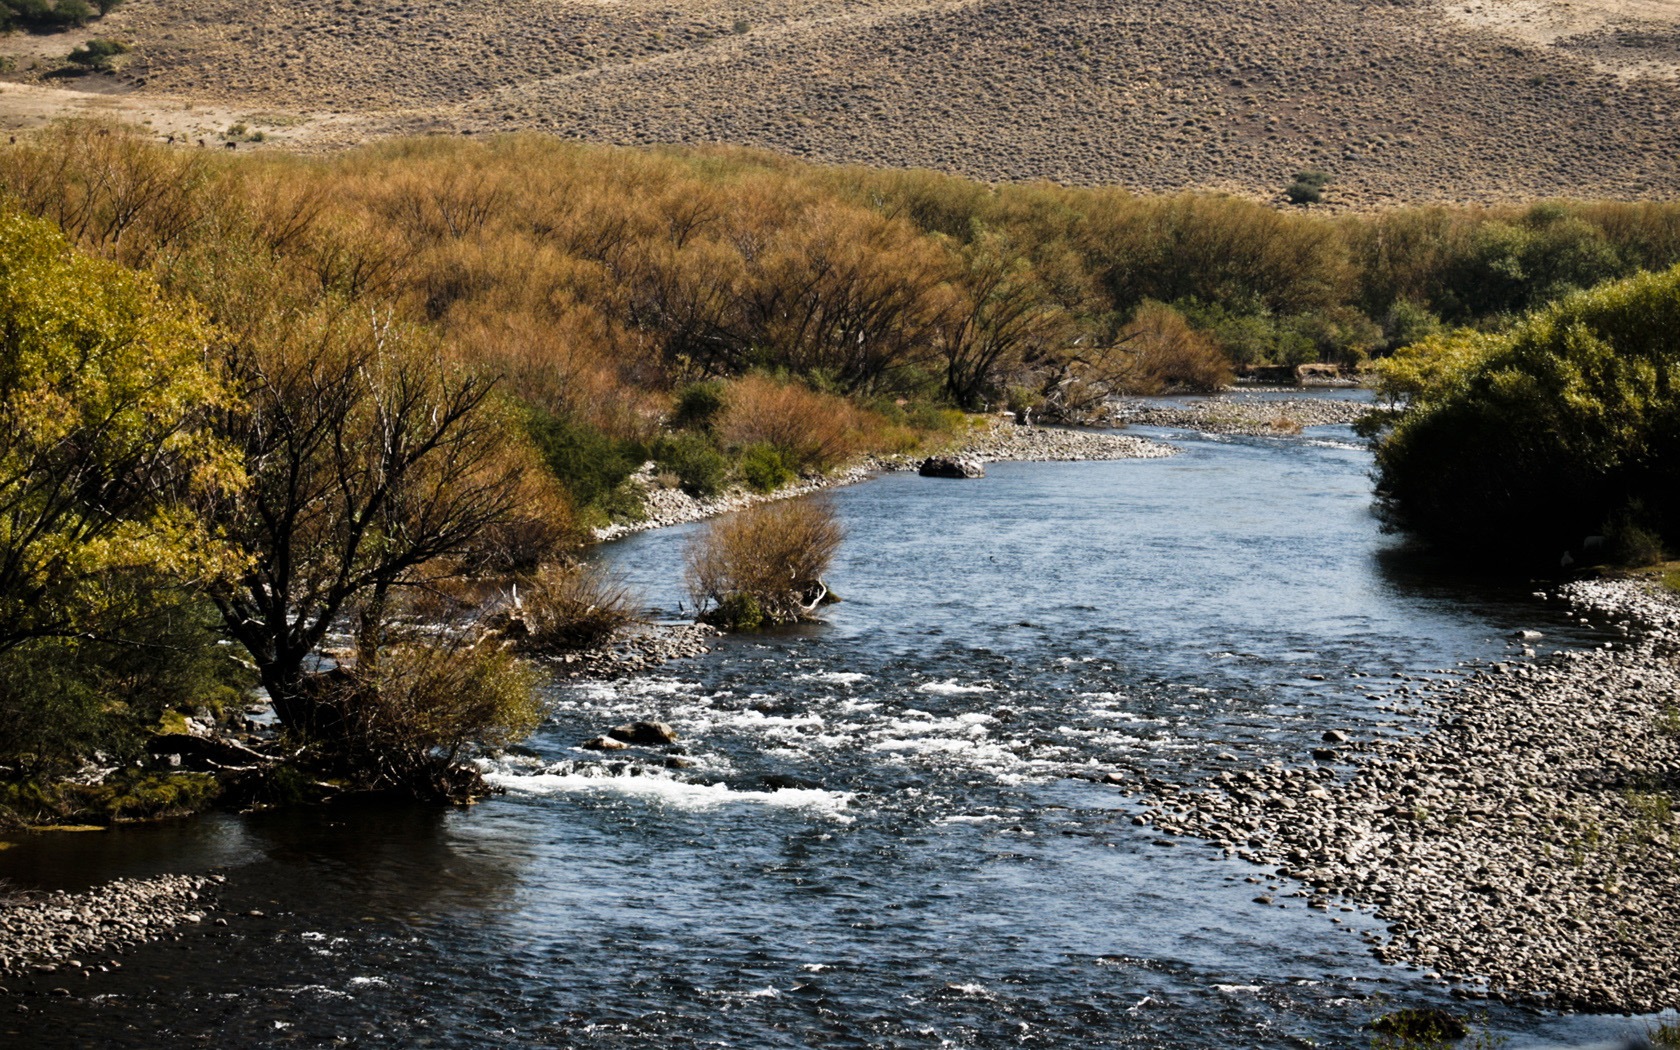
1411, 100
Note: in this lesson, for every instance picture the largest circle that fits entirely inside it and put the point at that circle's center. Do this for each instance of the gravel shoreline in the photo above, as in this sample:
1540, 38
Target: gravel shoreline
1237, 414
636, 650
76, 932
1001, 442
1523, 848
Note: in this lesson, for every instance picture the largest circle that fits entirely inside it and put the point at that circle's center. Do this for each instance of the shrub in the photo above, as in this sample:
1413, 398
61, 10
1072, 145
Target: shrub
590, 464
1520, 444
575, 607
698, 405
1632, 540
1308, 188
763, 566
74, 13
763, 468
405, 721
1167, 354
96, 54
698, 465
811, 430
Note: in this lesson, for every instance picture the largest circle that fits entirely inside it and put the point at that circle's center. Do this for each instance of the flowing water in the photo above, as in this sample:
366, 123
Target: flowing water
893, 831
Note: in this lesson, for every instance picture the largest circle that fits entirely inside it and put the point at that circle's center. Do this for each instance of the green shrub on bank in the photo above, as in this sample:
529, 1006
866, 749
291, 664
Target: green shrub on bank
698, 405
591, 465
763, 468
696, 462
124, 796
1521, 444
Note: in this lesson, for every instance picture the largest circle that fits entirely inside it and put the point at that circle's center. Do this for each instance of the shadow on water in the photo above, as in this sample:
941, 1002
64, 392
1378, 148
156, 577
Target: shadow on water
890, 832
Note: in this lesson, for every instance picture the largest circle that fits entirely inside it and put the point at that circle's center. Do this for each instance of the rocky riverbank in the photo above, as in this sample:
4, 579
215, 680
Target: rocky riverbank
1525, 847
77, 932
994, 442
639, 649
1237, 414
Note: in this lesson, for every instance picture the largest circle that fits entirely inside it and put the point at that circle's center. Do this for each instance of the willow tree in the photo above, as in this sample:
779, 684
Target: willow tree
105, 399
376, 467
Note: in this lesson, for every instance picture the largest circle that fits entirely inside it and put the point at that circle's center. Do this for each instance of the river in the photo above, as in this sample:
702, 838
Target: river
893, 831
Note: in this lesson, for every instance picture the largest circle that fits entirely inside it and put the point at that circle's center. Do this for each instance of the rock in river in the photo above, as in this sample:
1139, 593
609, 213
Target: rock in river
952, 467
644, 733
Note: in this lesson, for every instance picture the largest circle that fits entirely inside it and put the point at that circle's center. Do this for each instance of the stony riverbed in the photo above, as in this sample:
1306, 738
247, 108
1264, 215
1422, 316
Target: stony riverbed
1524, 846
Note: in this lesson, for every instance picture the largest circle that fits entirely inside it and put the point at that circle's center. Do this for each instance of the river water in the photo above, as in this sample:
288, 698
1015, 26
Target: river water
893, 831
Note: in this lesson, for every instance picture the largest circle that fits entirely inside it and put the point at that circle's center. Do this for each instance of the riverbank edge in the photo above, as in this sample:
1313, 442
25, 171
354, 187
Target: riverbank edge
999, 441
62, 932
1522, 847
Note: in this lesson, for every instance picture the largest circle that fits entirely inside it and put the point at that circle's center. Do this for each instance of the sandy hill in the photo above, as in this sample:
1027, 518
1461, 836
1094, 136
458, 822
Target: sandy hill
1401, 101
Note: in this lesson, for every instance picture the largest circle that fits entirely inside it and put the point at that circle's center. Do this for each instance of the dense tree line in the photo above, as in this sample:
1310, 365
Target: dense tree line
330, 388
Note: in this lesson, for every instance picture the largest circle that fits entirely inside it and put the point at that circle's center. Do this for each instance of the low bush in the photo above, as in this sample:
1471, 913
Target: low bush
405, 722
1307, 187
97, 55
48, 15
811, 430
590, 464
698, 405
699, 466
1631, 537
763, 566
763, 468
575, 607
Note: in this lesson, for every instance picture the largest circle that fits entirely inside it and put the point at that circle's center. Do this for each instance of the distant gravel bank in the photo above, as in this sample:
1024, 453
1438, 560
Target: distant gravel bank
1237, 414
60, 931
1525, 847
997, 443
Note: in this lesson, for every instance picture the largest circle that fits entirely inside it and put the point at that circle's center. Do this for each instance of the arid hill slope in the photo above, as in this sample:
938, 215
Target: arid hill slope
1404, 101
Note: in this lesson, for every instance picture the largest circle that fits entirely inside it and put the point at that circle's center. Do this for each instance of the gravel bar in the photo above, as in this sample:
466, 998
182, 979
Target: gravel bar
51, 932
1523, 847
1236, 414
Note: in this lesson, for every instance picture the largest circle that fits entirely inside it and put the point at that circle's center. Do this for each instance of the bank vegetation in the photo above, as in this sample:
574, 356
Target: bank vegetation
286, 421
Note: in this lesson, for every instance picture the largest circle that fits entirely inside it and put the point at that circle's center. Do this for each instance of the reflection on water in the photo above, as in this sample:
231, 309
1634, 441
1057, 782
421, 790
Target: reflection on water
891, 832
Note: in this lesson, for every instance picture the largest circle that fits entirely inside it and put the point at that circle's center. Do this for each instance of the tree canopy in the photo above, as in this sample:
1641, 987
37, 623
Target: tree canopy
105, 391
1526, 441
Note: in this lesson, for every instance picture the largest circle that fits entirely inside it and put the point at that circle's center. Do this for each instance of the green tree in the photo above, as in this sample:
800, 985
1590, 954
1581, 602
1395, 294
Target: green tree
1522, 443
105, 397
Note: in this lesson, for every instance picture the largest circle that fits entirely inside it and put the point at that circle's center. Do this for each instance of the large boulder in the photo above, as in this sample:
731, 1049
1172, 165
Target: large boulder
952, 467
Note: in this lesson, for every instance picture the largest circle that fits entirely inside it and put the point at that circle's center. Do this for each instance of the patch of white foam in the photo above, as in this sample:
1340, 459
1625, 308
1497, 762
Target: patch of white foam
952, 687
837, 677
678, 794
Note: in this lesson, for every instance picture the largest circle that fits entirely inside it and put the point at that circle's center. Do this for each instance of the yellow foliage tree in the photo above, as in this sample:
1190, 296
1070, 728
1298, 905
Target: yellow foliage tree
105, 391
